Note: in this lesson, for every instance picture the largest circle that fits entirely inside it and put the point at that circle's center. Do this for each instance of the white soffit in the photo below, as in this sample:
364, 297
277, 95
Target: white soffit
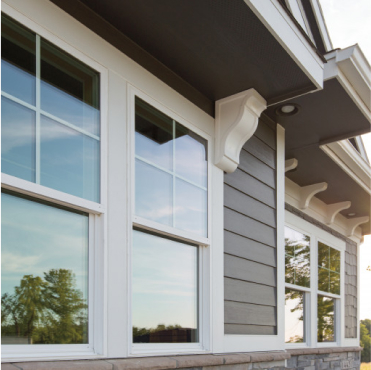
353, 71
283, 28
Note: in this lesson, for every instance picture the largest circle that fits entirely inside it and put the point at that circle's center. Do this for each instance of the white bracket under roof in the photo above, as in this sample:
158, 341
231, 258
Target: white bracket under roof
291, 164
236, 119
353, 223
333, 209
308, 192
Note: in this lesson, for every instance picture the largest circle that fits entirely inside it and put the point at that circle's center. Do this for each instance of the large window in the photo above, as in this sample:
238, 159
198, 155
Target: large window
51, 151
313, 295
170, 218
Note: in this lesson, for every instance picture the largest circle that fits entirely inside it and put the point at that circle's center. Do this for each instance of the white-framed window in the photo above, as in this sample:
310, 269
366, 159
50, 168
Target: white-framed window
53, 195
170, 243
314, 285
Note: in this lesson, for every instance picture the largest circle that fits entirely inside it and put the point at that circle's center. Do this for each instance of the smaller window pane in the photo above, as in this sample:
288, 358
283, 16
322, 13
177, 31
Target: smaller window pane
165, 290
69, 160
18, 61
334, 260
294, 316
17, 140
153, 193
153, 135
69, 89
323, 279
190, 156
190, 208
326, 319
334, 282
297, 259
323, 255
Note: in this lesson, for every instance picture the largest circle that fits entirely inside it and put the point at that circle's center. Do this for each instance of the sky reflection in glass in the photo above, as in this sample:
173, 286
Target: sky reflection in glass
17, 140
36, 239
174, 153
294, 316
164, 289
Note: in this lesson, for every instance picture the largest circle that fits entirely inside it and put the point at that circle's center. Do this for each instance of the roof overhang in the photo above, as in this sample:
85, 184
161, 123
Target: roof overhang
208, 50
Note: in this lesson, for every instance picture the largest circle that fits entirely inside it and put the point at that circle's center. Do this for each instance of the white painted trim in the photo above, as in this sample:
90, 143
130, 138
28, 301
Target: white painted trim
309, 191
291, 164
349, 160
236, 119
318, 13
333, 209
298, 12
318, 210
283, 28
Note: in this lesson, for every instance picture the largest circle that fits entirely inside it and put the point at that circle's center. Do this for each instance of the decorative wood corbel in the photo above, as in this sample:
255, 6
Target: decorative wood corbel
236, 119
291, 164
353, 223
333, 209
308, 192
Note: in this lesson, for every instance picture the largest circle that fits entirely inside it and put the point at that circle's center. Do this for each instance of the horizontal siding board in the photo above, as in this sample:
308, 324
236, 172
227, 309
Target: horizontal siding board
242, 291
248, 206
239, 268
260, 150
251, 186
266, 134
252, 229
249, 329
257, 168
249, 314
249, 249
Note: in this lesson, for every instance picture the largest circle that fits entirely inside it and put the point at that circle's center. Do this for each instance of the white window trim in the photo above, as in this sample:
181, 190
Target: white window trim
319, 235
204, 244
96, 347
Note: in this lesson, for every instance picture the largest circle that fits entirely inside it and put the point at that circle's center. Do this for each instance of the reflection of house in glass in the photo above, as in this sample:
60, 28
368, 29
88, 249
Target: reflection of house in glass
181, 178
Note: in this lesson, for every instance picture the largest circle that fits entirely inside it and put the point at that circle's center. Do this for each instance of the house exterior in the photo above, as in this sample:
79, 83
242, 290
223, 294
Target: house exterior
183, 185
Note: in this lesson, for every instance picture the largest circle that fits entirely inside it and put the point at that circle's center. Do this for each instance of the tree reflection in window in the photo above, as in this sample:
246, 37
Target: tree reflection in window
326, 319
297, 258
47, 310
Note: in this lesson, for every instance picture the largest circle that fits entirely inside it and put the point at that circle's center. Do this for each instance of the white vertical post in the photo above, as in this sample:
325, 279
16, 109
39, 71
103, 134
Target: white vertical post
38, 107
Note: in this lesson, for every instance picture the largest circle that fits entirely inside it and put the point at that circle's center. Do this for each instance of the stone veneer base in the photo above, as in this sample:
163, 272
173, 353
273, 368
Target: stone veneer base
334, 358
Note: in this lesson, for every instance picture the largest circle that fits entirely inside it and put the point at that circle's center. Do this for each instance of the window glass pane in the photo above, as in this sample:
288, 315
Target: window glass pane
190, 156
69, 160
294, 316
18, 61
153, 193
69, 89
297, 258
171, 171
190, 208
326, 319
153, 135
165, 290
44, 273
17, 140
328, 269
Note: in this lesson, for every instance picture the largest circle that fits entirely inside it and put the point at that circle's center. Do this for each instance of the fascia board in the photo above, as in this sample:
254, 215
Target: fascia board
345, 156
283, 28
318, 13
351, 67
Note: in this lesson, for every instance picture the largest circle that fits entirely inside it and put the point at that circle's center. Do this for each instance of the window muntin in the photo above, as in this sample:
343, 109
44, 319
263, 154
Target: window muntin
164, 290
326, 318
294, 316
51, 100
44, 273
297, 258
171, 172
328, 269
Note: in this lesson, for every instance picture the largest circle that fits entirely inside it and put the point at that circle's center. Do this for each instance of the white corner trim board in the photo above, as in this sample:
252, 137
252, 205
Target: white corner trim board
309, 191
354, 222
236, 119
333, 209
291, 164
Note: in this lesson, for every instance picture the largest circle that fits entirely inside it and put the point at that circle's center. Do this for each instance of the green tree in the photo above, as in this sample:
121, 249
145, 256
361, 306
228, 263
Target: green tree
365, 341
